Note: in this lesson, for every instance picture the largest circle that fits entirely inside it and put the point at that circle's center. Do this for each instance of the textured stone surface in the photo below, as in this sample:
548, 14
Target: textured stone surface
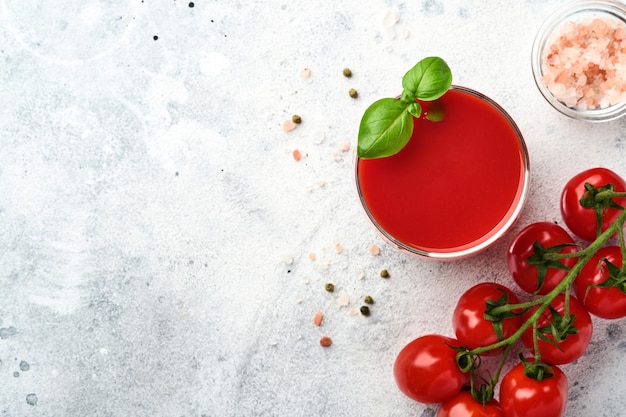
163, 254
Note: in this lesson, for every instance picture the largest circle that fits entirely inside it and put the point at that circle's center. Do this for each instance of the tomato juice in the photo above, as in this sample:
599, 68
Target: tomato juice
457, 186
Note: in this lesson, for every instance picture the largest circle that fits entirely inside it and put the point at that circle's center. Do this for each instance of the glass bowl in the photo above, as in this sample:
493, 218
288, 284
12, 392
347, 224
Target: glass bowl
573, 60
457, 187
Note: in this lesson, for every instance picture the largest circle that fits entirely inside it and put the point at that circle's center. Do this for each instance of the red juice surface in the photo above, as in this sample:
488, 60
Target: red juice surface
455, 184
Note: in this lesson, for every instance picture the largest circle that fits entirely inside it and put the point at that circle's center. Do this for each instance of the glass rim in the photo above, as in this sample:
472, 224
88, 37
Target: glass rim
499, 230
612, 8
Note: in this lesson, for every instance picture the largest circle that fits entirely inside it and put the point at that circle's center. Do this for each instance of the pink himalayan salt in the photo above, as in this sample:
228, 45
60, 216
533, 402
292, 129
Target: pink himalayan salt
288, 125
317, 318
584, 66
373, 249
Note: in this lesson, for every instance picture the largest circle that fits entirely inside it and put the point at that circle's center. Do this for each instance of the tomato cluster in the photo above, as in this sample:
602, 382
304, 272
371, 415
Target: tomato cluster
562, 283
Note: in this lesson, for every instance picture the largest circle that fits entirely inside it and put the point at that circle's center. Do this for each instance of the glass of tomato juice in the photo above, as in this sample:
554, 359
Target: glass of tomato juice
456, 187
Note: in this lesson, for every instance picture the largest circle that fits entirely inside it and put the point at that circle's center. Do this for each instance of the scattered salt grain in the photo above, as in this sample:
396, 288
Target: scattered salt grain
317, 318
583, 64
353, 312
325, 341
344, 146
288, 125
373, 249
305, 73
390, 19
338, 248
343, 300
312, 256
321, 184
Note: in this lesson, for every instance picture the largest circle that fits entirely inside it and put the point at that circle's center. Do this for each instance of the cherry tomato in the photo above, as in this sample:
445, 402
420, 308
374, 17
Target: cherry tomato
521, 255
571, 346
426, 369
605, 302
464, 405
523, 396
582, 220
471, 327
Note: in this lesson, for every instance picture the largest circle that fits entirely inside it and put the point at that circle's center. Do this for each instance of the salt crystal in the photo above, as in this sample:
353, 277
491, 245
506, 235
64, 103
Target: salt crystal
391, 18
305, 73
583, 62
288, 125
344, 146
343, 300
317, 318
373, 249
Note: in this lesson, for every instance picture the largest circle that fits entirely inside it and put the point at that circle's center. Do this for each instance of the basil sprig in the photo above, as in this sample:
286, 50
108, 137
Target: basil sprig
387, 124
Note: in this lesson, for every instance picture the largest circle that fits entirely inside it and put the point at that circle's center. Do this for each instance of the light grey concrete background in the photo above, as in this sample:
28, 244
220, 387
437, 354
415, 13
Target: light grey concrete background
156, 234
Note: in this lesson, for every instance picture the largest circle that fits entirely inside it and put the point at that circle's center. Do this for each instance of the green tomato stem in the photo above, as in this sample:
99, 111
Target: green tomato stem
557, 255
566, 303
608, 195
543, 302
622, 243
536, 343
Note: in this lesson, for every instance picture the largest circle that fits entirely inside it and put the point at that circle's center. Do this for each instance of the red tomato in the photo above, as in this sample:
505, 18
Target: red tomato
582, 220
426, 369
522, 396
464, 405
607, 302
522, 248
573, 345
471, 327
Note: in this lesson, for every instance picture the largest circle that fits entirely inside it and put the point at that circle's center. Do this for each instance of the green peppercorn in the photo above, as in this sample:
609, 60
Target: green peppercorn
368, 300
353, 93
347, 72
365, 310
296, 119
384, 273
330, 287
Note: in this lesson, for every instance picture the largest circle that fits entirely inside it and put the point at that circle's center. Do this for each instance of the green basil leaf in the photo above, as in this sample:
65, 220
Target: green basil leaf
415, 109
429, 79
385, 129
408, 97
